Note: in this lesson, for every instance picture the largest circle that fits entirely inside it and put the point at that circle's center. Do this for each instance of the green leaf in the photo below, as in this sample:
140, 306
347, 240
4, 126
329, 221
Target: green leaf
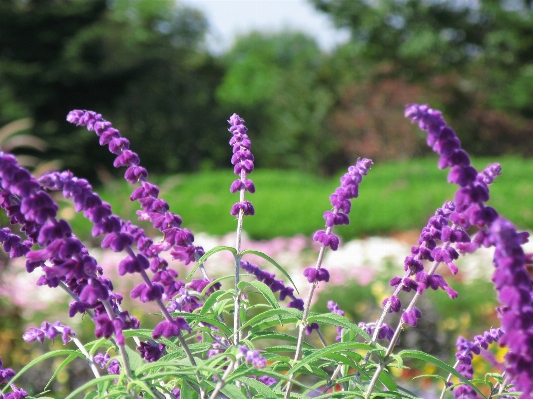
275, 335
90, 384
231, 391
337, 347
272, 261
187, 391
259, 387
263, 289
48, 355
194, 317
134, 358
208, 254
439, 363
63, 364
231, 276
93, 346
209, 302
338, 321
143, 386
271, 313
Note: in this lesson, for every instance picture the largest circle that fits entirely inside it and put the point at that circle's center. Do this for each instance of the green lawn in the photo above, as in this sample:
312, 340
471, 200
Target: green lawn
394, 197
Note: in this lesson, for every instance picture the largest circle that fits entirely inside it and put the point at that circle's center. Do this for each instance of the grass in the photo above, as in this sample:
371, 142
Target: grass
394, 197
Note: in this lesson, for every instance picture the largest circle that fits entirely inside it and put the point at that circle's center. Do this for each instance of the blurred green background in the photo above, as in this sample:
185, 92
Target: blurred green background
145, 66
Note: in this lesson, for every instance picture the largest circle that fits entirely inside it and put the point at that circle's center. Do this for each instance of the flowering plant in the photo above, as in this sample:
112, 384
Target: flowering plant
216, 340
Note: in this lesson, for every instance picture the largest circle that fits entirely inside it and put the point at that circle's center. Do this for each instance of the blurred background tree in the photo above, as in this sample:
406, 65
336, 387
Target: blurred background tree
474, 60
145, 65
140, 63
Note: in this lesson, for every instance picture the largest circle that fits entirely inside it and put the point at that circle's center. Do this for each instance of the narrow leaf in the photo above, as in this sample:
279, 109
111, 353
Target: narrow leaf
409, 353
208, 254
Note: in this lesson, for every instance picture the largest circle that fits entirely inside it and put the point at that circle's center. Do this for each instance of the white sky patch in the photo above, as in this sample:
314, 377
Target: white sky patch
231, 18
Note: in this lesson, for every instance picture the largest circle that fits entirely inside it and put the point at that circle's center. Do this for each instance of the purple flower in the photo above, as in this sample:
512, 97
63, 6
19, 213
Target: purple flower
385, 331
296, 304
169, 329
18, 393
315, 275
49, 331
310, 327
267, 380
114, 367
151, 351
243, 162
101, 359
410, 317
5, 374
465, 354
253, 357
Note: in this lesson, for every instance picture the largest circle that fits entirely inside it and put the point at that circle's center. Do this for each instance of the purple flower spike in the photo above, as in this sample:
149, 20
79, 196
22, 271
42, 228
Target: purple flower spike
243, 162
514, 286
473, 190
340, 200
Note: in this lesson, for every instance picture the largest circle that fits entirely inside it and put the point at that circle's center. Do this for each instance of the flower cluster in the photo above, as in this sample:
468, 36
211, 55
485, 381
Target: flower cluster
253, 357
5, 376
49, 331
437, 229
179, 241
465, 353
63, 258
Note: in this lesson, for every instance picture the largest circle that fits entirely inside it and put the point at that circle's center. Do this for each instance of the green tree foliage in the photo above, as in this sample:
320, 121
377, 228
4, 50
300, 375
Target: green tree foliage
279, 83
130, 60
473, 59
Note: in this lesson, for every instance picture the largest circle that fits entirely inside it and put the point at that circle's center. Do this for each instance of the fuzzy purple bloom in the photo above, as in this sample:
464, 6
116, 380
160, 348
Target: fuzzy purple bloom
151, 351
101, 359
309, 328
473, 191
315, 275
253, 357
5, 374
17, 393
49, 331
169, 329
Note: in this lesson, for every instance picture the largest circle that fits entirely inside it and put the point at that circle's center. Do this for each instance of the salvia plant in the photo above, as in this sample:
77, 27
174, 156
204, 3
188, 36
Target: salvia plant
210, 339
